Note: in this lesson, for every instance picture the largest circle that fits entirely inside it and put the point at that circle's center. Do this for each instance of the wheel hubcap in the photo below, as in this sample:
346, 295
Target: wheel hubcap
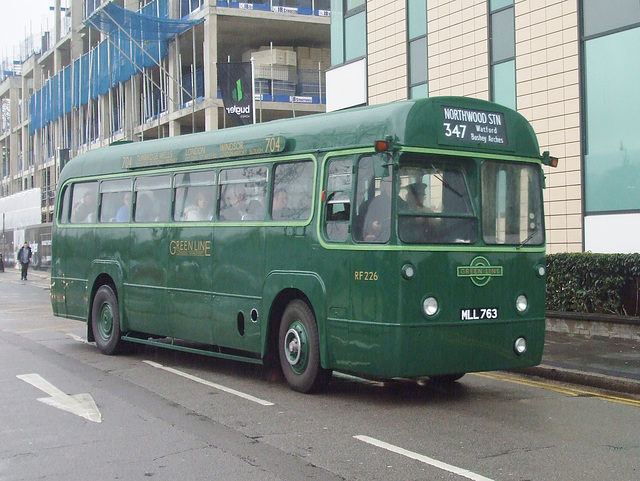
105, 322
296, 347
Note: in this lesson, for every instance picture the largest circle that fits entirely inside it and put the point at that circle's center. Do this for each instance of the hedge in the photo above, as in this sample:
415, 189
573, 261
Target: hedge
596, 283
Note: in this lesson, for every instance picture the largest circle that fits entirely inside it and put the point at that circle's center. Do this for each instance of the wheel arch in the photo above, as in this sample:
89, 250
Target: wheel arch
110, 274
279, 291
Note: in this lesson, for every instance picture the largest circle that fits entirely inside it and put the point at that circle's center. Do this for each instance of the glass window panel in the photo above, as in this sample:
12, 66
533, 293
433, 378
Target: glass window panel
419, 91
351, 4
243, 193
355, 36
497, 4
511, 203
601, 16
64, 205
115, 204
612, 85
337, 32
504, 84
338, 203
194, 196
372, 220
503, 35
418, 61
292, 191
153, 199
417, 18
434, 205
85, 205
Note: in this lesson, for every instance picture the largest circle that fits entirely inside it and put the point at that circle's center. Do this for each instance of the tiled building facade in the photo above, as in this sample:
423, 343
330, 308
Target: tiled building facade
540, 57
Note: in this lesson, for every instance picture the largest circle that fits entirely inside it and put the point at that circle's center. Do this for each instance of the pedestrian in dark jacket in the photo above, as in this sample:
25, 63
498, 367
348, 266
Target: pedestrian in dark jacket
24, 257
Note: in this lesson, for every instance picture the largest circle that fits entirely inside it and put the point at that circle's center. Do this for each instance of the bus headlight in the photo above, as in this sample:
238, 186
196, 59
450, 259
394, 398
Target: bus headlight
522, 303
430, 306
541, 270
520, 346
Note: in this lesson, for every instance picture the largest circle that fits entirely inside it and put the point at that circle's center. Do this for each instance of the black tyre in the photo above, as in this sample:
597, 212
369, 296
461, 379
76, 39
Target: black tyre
105, 321
299, 349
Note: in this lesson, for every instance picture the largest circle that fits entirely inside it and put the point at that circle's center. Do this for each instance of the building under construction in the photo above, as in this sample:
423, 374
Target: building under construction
130, 70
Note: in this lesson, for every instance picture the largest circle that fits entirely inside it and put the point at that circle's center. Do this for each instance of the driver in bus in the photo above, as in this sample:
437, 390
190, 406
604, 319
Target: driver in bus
413, 229
415, 198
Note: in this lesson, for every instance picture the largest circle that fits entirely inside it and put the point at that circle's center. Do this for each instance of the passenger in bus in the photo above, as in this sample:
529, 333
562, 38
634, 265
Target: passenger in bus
255, 211
145, 209
234, 203
199, 211
124, 212
84, 211
280, 210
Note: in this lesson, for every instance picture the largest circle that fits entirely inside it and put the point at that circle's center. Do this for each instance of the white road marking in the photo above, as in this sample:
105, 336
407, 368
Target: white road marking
423, 459
79, 404
210, 384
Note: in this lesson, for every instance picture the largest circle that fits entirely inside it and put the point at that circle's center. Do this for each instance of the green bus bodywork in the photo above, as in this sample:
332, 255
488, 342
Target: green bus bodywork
269, 289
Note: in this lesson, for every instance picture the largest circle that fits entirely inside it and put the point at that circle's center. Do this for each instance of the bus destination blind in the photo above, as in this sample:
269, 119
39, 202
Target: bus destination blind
477, 127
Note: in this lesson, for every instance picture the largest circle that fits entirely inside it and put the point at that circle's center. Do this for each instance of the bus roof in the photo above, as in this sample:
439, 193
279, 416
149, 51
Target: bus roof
441, 122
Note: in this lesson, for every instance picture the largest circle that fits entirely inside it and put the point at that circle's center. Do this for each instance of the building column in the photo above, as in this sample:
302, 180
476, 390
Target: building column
211, 71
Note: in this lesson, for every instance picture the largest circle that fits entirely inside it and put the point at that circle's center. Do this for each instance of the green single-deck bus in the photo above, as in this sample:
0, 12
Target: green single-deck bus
403, 240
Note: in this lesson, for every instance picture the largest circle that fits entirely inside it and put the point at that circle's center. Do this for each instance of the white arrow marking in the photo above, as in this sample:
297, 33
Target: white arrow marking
78, 404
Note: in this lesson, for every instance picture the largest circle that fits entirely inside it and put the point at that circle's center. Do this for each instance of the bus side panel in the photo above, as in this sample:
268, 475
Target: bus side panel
75, 248
111, 251
238, 259
189, 282
336, 267
145, 304
58, 304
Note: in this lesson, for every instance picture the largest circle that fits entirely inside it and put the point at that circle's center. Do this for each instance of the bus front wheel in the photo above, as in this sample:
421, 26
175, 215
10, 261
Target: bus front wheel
105, 320
299, 349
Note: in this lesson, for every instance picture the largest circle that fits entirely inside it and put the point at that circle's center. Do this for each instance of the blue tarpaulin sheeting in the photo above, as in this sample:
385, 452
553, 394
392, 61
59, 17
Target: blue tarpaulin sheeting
136, 40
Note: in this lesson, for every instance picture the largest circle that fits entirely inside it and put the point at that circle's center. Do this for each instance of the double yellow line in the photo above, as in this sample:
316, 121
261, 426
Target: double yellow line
556, 388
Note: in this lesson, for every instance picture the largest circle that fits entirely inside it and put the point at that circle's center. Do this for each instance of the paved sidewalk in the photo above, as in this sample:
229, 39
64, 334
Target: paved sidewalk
601, 362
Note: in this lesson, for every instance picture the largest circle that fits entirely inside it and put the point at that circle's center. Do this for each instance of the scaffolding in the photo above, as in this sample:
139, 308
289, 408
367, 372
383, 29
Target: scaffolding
136, 41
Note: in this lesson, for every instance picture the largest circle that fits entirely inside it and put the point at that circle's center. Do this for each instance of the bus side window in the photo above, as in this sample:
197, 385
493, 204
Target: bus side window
292, 187
63, 216
243, 193
84, 200
153, 198
194, 196
338, 202
115, 201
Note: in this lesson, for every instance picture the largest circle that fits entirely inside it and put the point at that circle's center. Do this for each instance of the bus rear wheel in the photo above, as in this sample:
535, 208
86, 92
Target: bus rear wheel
105, 320
298, 345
